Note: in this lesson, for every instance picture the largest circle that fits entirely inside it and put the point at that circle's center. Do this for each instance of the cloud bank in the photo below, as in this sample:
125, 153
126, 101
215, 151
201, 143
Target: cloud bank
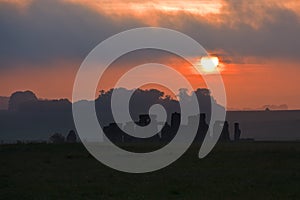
45, 31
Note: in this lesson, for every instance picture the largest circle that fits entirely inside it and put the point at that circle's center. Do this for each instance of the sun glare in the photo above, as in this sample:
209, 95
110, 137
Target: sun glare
209, 64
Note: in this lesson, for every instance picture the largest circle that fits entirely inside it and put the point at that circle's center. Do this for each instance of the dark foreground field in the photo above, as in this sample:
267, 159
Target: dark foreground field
231, 171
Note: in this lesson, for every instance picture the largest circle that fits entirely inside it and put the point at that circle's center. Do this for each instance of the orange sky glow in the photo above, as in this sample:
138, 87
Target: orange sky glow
259, 84
251, 83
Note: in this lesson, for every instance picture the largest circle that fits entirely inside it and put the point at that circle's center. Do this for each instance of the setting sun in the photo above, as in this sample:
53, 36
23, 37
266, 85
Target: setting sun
209, 64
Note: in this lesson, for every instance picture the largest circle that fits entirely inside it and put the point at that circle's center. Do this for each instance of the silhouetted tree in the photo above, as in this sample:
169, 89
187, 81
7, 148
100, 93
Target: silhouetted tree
19, 98
4, 103
140, 103
60, 105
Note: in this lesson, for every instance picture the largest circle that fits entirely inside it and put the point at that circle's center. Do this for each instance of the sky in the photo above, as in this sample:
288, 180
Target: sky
43, 42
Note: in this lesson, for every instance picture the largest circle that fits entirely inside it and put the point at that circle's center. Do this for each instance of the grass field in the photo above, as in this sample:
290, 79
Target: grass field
251, 170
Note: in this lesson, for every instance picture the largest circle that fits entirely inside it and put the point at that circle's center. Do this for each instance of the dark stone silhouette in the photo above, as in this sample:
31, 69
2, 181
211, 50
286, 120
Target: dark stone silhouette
114, 133
203, 128
57, 138
71, 137
165, 133
225, 135
144, 120
175, 121
237, 131
18, 98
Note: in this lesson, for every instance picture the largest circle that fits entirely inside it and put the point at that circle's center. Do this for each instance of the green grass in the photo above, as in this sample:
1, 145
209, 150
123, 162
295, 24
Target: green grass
232, 171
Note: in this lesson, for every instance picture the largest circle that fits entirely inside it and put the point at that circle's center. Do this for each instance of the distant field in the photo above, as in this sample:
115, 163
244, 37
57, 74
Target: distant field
255, 170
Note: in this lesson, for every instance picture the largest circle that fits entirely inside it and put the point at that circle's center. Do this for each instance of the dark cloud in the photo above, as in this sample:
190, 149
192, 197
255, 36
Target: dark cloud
51, 30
